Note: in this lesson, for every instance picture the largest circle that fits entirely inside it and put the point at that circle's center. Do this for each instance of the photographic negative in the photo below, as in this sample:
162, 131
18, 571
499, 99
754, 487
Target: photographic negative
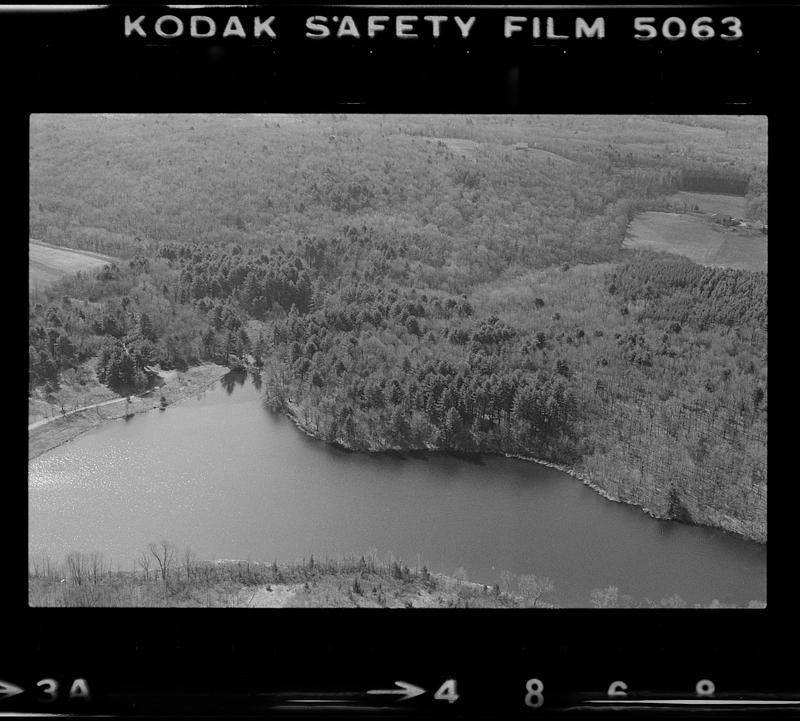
396, 359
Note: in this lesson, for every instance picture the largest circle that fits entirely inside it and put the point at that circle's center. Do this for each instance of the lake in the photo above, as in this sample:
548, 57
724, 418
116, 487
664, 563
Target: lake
222, 474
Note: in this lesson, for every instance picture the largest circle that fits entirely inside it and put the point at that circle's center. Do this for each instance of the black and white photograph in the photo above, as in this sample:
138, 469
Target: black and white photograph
397, 361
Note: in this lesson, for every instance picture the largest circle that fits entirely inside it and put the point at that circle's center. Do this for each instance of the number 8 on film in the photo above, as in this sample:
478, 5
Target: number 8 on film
535, 696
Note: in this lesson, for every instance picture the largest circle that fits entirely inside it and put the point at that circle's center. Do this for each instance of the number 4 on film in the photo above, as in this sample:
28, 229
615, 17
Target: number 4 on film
447, 691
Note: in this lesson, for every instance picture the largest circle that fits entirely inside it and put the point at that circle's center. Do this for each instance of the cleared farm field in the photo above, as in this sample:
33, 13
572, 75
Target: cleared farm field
467, 148
49, 263
470, 149
696, 237
546, 155
733, 205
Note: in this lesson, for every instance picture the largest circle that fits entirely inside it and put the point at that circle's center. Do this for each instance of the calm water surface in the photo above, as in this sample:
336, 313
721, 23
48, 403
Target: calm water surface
223, 475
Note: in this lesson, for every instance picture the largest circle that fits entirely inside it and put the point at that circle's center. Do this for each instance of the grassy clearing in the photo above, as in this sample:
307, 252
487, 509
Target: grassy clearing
733, 205
546, 156
470, 149
684, 234
179, 385
742, 251
466, 148
696, 237
47, 264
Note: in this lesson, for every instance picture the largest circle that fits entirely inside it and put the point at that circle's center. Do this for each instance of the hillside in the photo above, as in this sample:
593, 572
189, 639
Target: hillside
423, 282
100, 182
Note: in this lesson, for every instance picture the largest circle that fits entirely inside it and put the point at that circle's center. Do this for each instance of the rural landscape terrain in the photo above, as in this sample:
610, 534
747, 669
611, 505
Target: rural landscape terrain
585, 291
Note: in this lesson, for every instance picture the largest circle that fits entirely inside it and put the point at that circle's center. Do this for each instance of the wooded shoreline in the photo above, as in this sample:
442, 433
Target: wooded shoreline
179, 387
293, 413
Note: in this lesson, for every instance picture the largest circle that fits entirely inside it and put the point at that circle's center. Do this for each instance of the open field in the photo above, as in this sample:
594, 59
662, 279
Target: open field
733, 205
467, 148
470, 149
696, 237
545, 156
47, 264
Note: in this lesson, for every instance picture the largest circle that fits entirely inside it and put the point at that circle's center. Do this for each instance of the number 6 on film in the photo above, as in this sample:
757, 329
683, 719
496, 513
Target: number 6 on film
617, 689
535, 696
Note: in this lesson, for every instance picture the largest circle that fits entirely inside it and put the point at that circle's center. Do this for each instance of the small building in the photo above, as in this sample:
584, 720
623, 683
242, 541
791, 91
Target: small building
520, 146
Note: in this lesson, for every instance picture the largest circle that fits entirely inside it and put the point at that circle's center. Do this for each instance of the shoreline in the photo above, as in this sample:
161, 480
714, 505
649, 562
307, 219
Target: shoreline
176, 387
66, 428
343, 581
293, 411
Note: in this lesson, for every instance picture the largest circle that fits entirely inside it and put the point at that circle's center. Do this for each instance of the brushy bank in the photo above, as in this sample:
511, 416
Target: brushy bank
175, 386
162, 576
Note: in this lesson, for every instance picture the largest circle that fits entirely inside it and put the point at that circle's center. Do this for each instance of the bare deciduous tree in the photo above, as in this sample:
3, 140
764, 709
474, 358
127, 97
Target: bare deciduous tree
164, 553
144, 562
96, 567
76, 567
189, 560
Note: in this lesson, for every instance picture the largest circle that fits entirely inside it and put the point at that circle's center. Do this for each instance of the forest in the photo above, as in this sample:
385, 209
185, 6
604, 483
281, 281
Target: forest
422, 282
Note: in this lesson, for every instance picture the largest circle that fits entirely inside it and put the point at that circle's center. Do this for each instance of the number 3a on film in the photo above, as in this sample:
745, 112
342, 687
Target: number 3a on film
49, 690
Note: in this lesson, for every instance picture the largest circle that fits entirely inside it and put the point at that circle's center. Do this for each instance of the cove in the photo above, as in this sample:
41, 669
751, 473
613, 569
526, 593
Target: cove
225, 476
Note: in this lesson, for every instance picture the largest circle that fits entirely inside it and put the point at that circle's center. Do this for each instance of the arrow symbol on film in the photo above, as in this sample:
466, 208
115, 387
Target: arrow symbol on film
7, 690
408, 690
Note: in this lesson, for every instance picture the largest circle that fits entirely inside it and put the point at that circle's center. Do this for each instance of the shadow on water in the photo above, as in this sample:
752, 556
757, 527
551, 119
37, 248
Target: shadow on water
255, 379
405, 455
474, 459
230, 380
